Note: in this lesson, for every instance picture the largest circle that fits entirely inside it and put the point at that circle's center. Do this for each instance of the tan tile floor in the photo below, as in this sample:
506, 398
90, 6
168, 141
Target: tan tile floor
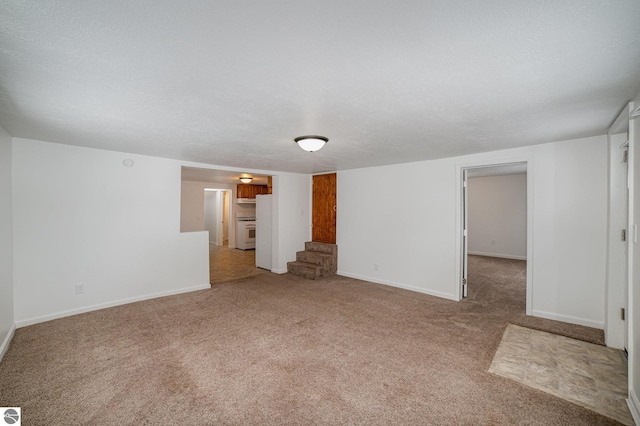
592, 376
227, 264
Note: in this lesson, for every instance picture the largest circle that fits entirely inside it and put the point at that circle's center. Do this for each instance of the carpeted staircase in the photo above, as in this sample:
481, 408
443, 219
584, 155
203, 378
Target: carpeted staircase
317, 260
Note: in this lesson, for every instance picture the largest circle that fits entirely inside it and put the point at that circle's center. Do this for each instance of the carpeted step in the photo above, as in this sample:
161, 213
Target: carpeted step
304, 269
321, 247
318, 260
325, 261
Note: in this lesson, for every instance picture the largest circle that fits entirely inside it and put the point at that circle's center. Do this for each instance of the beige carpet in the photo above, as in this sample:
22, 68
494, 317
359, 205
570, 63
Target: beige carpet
274, 350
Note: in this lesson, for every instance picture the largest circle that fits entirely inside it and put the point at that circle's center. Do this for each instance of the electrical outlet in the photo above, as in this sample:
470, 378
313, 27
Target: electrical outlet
375, 266
493, 242
79, 288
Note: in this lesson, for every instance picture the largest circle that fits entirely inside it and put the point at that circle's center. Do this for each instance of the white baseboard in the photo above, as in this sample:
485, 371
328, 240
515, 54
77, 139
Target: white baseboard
7, 341
503, 256
399, 285
279, 271
634, 406
568, 318
62, 314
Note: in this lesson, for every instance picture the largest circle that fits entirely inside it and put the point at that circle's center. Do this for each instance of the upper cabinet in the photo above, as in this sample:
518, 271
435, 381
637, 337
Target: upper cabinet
250, 191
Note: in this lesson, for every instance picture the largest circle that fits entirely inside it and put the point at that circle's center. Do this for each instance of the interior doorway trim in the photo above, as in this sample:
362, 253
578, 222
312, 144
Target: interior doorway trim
221, 193
460, 168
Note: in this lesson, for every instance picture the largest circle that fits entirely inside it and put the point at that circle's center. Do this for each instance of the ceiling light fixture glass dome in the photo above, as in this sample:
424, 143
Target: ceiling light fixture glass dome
311, 143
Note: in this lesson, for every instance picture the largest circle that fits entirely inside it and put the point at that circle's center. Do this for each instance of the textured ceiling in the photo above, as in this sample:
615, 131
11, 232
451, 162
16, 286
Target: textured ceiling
233, 82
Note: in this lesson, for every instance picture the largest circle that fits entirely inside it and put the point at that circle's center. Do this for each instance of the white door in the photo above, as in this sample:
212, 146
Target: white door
465, 239
625, 258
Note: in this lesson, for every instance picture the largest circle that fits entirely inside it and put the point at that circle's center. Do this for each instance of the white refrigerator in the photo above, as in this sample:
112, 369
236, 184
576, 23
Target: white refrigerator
263, 231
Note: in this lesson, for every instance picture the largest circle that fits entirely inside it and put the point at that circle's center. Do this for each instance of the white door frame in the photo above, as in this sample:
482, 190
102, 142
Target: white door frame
465, 232
460, 217
219, 217
633, 260
617, 250
220, 214
230, 222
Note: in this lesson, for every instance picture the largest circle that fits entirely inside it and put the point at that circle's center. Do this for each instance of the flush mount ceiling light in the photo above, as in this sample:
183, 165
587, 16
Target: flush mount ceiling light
311, 143
246, 179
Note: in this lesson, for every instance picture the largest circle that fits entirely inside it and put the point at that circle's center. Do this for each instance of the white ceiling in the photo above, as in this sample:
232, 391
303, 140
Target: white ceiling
232, 83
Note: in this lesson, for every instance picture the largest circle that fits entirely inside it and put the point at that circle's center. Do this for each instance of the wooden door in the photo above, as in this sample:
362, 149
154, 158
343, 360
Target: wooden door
323, 216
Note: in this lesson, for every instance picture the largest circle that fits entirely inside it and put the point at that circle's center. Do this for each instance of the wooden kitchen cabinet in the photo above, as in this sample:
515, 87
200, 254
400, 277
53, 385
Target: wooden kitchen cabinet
250, 191
243, 191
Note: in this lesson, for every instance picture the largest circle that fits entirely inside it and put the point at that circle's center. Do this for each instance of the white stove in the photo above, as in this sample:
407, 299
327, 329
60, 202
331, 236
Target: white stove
245, 231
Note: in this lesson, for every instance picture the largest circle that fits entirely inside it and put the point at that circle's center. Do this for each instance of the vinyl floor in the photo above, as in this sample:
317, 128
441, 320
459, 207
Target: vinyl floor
227, 264
590, 375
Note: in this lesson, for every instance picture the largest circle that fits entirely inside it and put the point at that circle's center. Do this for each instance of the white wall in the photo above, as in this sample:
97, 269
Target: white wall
192, 206
81, 217
402, 219
7, 326
291, 218
420, 251
570, 235
497, 216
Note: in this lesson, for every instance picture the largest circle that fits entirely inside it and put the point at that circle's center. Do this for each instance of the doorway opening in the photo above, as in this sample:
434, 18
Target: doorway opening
225, 262
218, 198
495, 233
217, 213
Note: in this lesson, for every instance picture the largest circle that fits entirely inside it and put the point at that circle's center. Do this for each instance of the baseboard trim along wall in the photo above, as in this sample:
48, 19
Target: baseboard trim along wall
50, 317
503, 256
634, 406
7, 341
394, 284
569, 319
